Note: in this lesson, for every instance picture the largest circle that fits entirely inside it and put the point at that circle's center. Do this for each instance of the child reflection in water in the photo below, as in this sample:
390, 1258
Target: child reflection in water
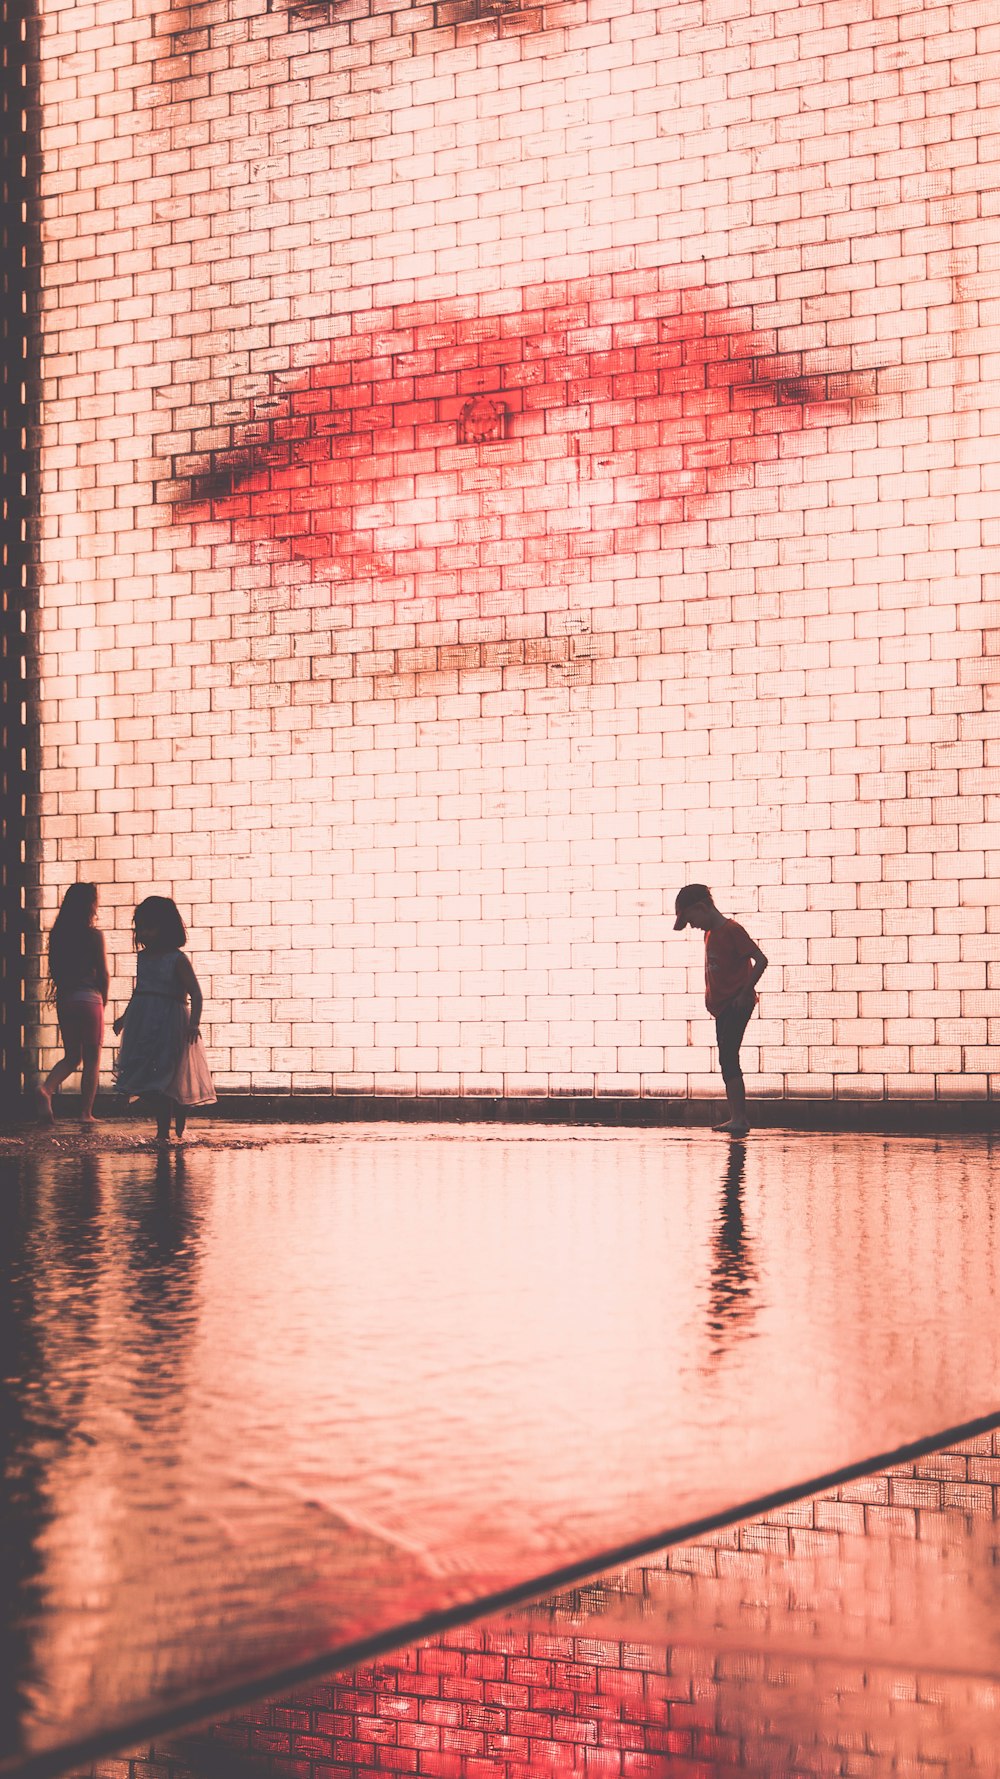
734, 1275
734, 965
78, 983
162, 1058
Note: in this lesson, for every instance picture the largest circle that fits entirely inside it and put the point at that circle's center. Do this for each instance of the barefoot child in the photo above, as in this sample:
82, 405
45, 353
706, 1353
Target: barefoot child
162, 1058
733, 967
78, 983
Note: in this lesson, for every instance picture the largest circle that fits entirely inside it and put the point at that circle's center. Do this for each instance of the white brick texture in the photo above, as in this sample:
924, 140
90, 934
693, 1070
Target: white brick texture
497, 466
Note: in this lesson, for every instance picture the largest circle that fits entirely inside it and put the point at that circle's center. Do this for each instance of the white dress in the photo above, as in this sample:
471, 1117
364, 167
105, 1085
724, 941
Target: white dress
155, 1056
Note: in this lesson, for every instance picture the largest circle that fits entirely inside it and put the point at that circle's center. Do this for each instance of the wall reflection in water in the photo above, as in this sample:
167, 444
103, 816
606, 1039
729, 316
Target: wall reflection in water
855, 1633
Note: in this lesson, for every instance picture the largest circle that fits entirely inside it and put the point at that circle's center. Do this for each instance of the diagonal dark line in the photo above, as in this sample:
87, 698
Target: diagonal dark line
219, 1702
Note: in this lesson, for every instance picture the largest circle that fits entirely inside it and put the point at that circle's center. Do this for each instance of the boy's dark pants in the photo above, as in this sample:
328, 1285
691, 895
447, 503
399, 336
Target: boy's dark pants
730, 1026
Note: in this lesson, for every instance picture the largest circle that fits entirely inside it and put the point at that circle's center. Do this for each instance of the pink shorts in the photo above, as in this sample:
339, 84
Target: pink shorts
81, 1019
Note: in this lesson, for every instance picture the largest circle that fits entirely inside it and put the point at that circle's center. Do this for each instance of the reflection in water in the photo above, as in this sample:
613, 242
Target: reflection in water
22, 1462
69, 1259
732, 1302
90, 1247
48, 1230
829, 1638
317, 1390
159, 1231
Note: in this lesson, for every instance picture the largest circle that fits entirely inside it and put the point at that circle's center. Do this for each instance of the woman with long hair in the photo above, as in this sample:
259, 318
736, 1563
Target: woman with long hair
78, 983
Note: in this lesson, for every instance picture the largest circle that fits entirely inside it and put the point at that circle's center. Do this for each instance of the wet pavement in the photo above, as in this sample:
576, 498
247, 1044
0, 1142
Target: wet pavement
276, 1400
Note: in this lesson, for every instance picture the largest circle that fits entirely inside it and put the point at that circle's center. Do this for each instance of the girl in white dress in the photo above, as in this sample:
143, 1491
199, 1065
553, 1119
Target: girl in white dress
162, 1057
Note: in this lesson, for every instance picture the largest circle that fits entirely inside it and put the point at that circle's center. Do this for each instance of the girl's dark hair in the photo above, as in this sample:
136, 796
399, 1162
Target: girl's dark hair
68, 936
163, 914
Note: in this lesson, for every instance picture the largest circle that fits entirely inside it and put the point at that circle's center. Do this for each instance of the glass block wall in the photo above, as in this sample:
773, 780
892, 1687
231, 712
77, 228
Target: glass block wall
499, 464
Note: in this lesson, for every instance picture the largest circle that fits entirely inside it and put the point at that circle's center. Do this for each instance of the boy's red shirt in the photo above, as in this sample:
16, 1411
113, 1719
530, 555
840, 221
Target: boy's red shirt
729, 953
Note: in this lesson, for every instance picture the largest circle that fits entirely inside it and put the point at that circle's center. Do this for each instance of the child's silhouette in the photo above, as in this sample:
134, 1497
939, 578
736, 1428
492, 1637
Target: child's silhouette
78, 977
161, 1058
734, 965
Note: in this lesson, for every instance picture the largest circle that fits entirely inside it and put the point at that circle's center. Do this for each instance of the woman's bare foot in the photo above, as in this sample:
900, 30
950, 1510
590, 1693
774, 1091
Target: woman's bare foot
43, 1100
88, 1118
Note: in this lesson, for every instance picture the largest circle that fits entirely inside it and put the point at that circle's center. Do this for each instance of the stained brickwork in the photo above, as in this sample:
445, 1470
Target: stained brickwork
844, 1634
499, 464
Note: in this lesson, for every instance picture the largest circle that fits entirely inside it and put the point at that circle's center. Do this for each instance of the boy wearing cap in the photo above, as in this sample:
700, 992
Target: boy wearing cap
734, 965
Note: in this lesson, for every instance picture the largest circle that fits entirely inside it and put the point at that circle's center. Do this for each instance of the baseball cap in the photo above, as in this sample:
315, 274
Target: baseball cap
686, 898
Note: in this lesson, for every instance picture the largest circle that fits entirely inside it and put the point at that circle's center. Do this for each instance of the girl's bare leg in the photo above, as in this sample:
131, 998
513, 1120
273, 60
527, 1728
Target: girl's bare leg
54, 1080
88, 1082
163, 1109
180, 1120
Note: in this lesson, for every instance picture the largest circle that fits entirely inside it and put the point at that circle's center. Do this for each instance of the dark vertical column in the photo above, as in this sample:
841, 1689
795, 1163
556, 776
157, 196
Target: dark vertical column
18, 384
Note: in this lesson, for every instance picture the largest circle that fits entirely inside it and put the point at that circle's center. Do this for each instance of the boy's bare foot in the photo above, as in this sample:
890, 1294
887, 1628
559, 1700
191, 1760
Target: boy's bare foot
43, 1100
732, 1128
90, 1119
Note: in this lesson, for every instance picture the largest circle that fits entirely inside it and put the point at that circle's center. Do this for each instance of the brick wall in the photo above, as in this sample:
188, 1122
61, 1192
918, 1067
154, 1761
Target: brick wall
498, 464
848, 1634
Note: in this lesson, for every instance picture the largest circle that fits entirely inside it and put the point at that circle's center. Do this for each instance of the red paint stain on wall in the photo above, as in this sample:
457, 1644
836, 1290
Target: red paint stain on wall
444, 448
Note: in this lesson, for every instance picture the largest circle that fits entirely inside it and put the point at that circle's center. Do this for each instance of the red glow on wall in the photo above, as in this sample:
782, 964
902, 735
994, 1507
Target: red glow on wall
452, 449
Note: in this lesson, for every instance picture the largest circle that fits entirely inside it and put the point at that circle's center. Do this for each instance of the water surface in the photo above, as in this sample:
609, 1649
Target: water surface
271, 1402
